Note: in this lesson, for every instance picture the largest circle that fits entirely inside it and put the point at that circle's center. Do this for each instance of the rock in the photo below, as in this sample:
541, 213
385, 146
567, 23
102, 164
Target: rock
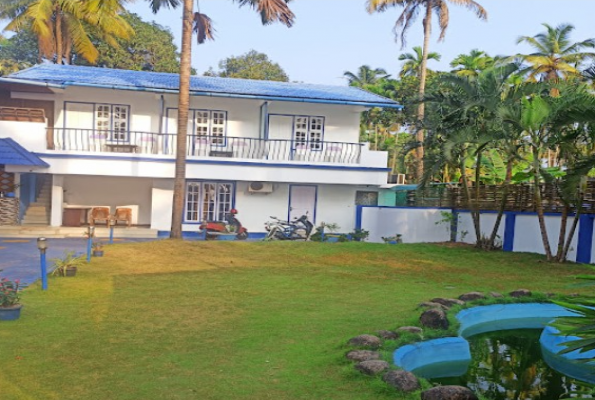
496, 295
429, 304
370, 341
410, 329
448, 302
520, 293
448, 393
434, 319
363, 355
471, 296
402, 380
387, 335
372, 367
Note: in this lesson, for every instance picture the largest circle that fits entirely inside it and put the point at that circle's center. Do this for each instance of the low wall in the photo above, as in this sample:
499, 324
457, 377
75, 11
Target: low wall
9, 211
518, 231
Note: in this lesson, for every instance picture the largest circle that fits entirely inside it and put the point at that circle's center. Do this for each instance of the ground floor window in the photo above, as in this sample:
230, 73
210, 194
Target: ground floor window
366, 198
208, 201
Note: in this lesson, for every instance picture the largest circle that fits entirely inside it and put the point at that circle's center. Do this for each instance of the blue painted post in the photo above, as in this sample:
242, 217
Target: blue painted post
42, 245
44, 272
509, 228
585, 239
111, 233
454, 225
90, 234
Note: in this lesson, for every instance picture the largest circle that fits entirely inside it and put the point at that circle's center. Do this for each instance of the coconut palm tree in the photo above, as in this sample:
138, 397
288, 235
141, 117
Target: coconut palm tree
196, 22
555, 55
411, 9
471, 64
65, 25
365, 76
412, 64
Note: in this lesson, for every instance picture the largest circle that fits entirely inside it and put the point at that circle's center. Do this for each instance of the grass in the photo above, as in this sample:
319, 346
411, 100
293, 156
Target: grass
207, 320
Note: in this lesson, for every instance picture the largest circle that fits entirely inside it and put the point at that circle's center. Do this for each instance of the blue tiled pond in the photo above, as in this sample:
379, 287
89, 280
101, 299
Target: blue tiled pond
503, 352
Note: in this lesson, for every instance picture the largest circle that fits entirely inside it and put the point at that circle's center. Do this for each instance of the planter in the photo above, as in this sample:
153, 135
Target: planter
97, 253
10, 313
70, 271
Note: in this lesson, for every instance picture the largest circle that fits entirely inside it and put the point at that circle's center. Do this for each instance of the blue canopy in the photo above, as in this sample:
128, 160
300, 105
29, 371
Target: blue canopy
12, 153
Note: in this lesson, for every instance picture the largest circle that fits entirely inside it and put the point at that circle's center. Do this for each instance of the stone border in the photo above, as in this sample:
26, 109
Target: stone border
368, 359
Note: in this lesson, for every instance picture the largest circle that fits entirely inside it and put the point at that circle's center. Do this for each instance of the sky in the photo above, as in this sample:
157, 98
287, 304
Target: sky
330, 37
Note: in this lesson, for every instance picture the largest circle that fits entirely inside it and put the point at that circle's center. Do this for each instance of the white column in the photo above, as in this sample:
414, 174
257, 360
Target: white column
161, 204
57, 200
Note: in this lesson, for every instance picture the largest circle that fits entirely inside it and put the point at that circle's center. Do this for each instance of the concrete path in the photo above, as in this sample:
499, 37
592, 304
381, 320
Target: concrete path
19, 257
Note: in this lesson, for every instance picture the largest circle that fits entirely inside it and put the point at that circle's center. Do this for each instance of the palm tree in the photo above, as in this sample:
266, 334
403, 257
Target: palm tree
413, 61
555, 56
411, 8
365, 76
471, 64
270, 11
64, 25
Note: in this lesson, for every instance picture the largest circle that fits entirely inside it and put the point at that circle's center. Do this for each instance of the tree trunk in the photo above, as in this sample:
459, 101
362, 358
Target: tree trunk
58, 35
505, 188
572, 229
539, 205
466, 190
421, 108
562, 233
475, 214
183, 105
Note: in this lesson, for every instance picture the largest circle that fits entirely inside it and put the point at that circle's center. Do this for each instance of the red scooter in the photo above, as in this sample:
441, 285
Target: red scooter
231, 226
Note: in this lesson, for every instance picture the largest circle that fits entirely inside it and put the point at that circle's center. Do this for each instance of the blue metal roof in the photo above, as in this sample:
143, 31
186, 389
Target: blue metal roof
12, 153
67, 75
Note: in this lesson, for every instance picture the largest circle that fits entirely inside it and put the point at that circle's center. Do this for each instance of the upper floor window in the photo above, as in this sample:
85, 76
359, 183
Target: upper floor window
210, 123
307, 131
112, 119
101, 120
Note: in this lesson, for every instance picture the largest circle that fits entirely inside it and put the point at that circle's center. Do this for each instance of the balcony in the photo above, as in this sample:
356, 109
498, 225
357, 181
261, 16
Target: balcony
147, 143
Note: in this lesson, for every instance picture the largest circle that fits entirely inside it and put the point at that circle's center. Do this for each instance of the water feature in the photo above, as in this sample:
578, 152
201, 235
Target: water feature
505, 365
503, 353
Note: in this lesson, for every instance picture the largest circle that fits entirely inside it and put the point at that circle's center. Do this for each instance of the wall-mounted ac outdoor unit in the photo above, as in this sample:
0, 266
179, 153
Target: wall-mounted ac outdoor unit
260, 187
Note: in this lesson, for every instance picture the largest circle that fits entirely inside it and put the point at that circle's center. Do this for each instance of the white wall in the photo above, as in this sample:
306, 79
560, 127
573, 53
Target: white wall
416, 225
419, 225
163, 167
527, 236
30, 135
335, 204
486, 221
110, 192
341, 122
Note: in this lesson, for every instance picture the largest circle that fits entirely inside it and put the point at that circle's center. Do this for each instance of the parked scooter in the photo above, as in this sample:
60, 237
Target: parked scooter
298, 229
231, 226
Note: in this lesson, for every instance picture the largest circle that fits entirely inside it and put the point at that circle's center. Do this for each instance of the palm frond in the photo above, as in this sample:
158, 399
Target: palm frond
203, 28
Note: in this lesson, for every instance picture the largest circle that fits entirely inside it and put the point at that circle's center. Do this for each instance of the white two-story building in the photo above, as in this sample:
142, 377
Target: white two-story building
104, 137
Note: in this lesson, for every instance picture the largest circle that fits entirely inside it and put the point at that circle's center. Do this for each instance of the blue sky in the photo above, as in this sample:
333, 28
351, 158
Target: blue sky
333, 36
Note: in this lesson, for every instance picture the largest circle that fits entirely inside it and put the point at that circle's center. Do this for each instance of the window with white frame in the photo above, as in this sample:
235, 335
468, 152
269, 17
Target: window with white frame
112, 119
208, 201
211, 123
308, 132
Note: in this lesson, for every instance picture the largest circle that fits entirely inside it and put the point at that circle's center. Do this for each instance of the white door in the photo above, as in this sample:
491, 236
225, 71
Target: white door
302, 201
279, 135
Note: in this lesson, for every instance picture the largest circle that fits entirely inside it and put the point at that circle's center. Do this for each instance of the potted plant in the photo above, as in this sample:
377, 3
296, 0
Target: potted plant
10, 308
97, 249
67, 265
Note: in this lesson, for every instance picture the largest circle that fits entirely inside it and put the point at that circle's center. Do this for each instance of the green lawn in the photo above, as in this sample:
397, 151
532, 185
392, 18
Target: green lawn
206, 320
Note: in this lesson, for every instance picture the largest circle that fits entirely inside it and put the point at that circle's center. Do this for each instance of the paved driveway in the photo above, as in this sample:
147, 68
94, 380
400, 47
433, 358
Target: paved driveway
19, 258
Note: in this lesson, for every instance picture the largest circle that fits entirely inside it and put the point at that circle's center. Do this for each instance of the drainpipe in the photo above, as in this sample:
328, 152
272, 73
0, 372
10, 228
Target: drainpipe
161, 113
264, 116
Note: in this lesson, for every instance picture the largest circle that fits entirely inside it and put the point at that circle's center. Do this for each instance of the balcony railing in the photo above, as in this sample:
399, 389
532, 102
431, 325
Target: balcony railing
91, 140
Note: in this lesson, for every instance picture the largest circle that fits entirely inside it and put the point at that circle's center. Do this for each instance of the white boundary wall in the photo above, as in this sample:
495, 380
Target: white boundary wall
520, 234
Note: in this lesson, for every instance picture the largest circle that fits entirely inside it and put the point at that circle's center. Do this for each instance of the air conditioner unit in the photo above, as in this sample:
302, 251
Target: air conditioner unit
260, 187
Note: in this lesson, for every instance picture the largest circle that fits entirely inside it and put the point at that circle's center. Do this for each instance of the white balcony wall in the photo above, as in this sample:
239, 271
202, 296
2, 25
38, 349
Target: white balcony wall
163, 167
30, 135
